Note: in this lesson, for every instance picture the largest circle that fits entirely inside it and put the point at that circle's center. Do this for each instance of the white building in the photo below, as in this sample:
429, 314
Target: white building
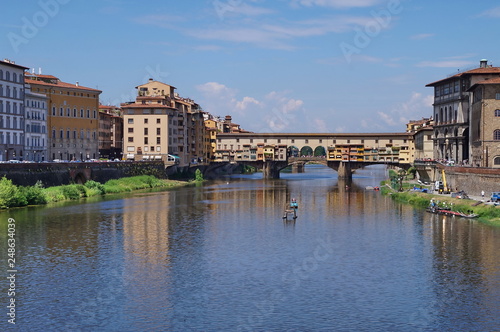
11, 110
35, 147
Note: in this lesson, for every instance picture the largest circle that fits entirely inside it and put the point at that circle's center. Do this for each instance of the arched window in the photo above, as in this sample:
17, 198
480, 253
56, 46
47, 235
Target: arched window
496, 135
497, 112
496, 161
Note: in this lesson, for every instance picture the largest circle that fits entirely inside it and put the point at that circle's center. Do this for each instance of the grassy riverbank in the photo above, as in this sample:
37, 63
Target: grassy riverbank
487, 213
18, 196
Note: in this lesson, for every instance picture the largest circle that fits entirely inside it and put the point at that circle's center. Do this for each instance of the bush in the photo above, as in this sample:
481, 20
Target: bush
10, 194
35, 195
95, 186
198, 175
72, 191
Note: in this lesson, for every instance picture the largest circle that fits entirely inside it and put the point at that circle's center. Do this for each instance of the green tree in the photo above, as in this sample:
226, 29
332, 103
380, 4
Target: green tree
198, 175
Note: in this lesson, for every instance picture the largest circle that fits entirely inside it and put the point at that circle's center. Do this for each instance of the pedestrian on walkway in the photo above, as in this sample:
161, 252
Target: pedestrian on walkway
482, 193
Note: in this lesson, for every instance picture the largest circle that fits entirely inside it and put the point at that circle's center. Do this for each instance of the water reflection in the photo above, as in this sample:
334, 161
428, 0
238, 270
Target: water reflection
220, 257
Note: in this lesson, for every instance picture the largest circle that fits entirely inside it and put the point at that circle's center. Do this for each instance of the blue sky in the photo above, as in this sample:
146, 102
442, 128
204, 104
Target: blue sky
275, 65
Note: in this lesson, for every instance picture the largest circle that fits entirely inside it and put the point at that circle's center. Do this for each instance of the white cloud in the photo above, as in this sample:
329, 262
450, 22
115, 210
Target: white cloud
336, 3
445, 64
274, 112
214, 88
493, 12
247, 101
416, 107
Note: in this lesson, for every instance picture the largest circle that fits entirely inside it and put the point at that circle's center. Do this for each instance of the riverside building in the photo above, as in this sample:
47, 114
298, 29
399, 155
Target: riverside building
160, 125
453, 138
485, 123
73, 121
35, 110
11, 111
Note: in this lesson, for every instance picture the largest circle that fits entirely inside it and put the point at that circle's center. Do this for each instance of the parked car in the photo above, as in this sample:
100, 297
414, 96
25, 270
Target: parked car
495, 196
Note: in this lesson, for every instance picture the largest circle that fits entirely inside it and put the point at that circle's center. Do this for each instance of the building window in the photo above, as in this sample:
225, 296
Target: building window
146, 141
158, 120
131, 139
496, 135
497, 96
497, 113
158, 131
145, 131
130, 121
158, 140
496, 161
146, 121
81, 113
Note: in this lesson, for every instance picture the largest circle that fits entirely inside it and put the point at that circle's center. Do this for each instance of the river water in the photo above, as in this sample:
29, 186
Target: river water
219, 257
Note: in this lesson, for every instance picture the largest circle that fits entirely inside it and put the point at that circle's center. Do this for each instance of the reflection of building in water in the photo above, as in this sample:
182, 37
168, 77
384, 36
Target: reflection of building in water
465, 256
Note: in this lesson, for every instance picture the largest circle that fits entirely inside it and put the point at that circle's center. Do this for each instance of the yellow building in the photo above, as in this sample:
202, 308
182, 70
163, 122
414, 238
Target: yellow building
73, 121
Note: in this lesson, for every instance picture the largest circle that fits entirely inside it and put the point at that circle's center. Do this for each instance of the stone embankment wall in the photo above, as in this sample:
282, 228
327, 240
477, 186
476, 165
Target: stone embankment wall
472, 179
55, 174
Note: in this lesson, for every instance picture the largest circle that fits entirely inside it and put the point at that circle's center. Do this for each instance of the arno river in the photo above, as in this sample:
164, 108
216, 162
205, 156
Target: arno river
219, 257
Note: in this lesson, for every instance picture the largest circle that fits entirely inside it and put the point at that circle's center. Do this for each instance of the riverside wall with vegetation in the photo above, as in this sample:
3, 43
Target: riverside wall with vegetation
12, 195
401, 190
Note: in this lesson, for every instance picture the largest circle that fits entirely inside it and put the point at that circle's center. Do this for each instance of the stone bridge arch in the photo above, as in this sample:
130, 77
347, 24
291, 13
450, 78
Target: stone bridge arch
80, 175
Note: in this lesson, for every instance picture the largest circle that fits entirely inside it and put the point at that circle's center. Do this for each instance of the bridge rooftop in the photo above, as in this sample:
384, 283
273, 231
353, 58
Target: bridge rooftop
270, 135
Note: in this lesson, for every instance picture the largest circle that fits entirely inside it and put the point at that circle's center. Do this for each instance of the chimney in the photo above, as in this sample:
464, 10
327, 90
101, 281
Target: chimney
77, 84
483, 63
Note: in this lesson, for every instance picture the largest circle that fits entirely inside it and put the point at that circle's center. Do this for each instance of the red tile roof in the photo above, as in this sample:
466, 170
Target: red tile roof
32, 79
476, 71
136, 105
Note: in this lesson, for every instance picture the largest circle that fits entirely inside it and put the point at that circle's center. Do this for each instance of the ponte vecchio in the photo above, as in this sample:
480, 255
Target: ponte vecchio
345, 153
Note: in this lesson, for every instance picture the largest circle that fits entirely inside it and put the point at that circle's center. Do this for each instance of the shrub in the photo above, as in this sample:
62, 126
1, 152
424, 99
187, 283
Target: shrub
94, 185
10, 194
198, 175
72, 191
35, 195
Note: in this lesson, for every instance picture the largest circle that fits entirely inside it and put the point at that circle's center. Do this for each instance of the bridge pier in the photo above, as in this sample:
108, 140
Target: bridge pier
270, 170
344, 171
298, 167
